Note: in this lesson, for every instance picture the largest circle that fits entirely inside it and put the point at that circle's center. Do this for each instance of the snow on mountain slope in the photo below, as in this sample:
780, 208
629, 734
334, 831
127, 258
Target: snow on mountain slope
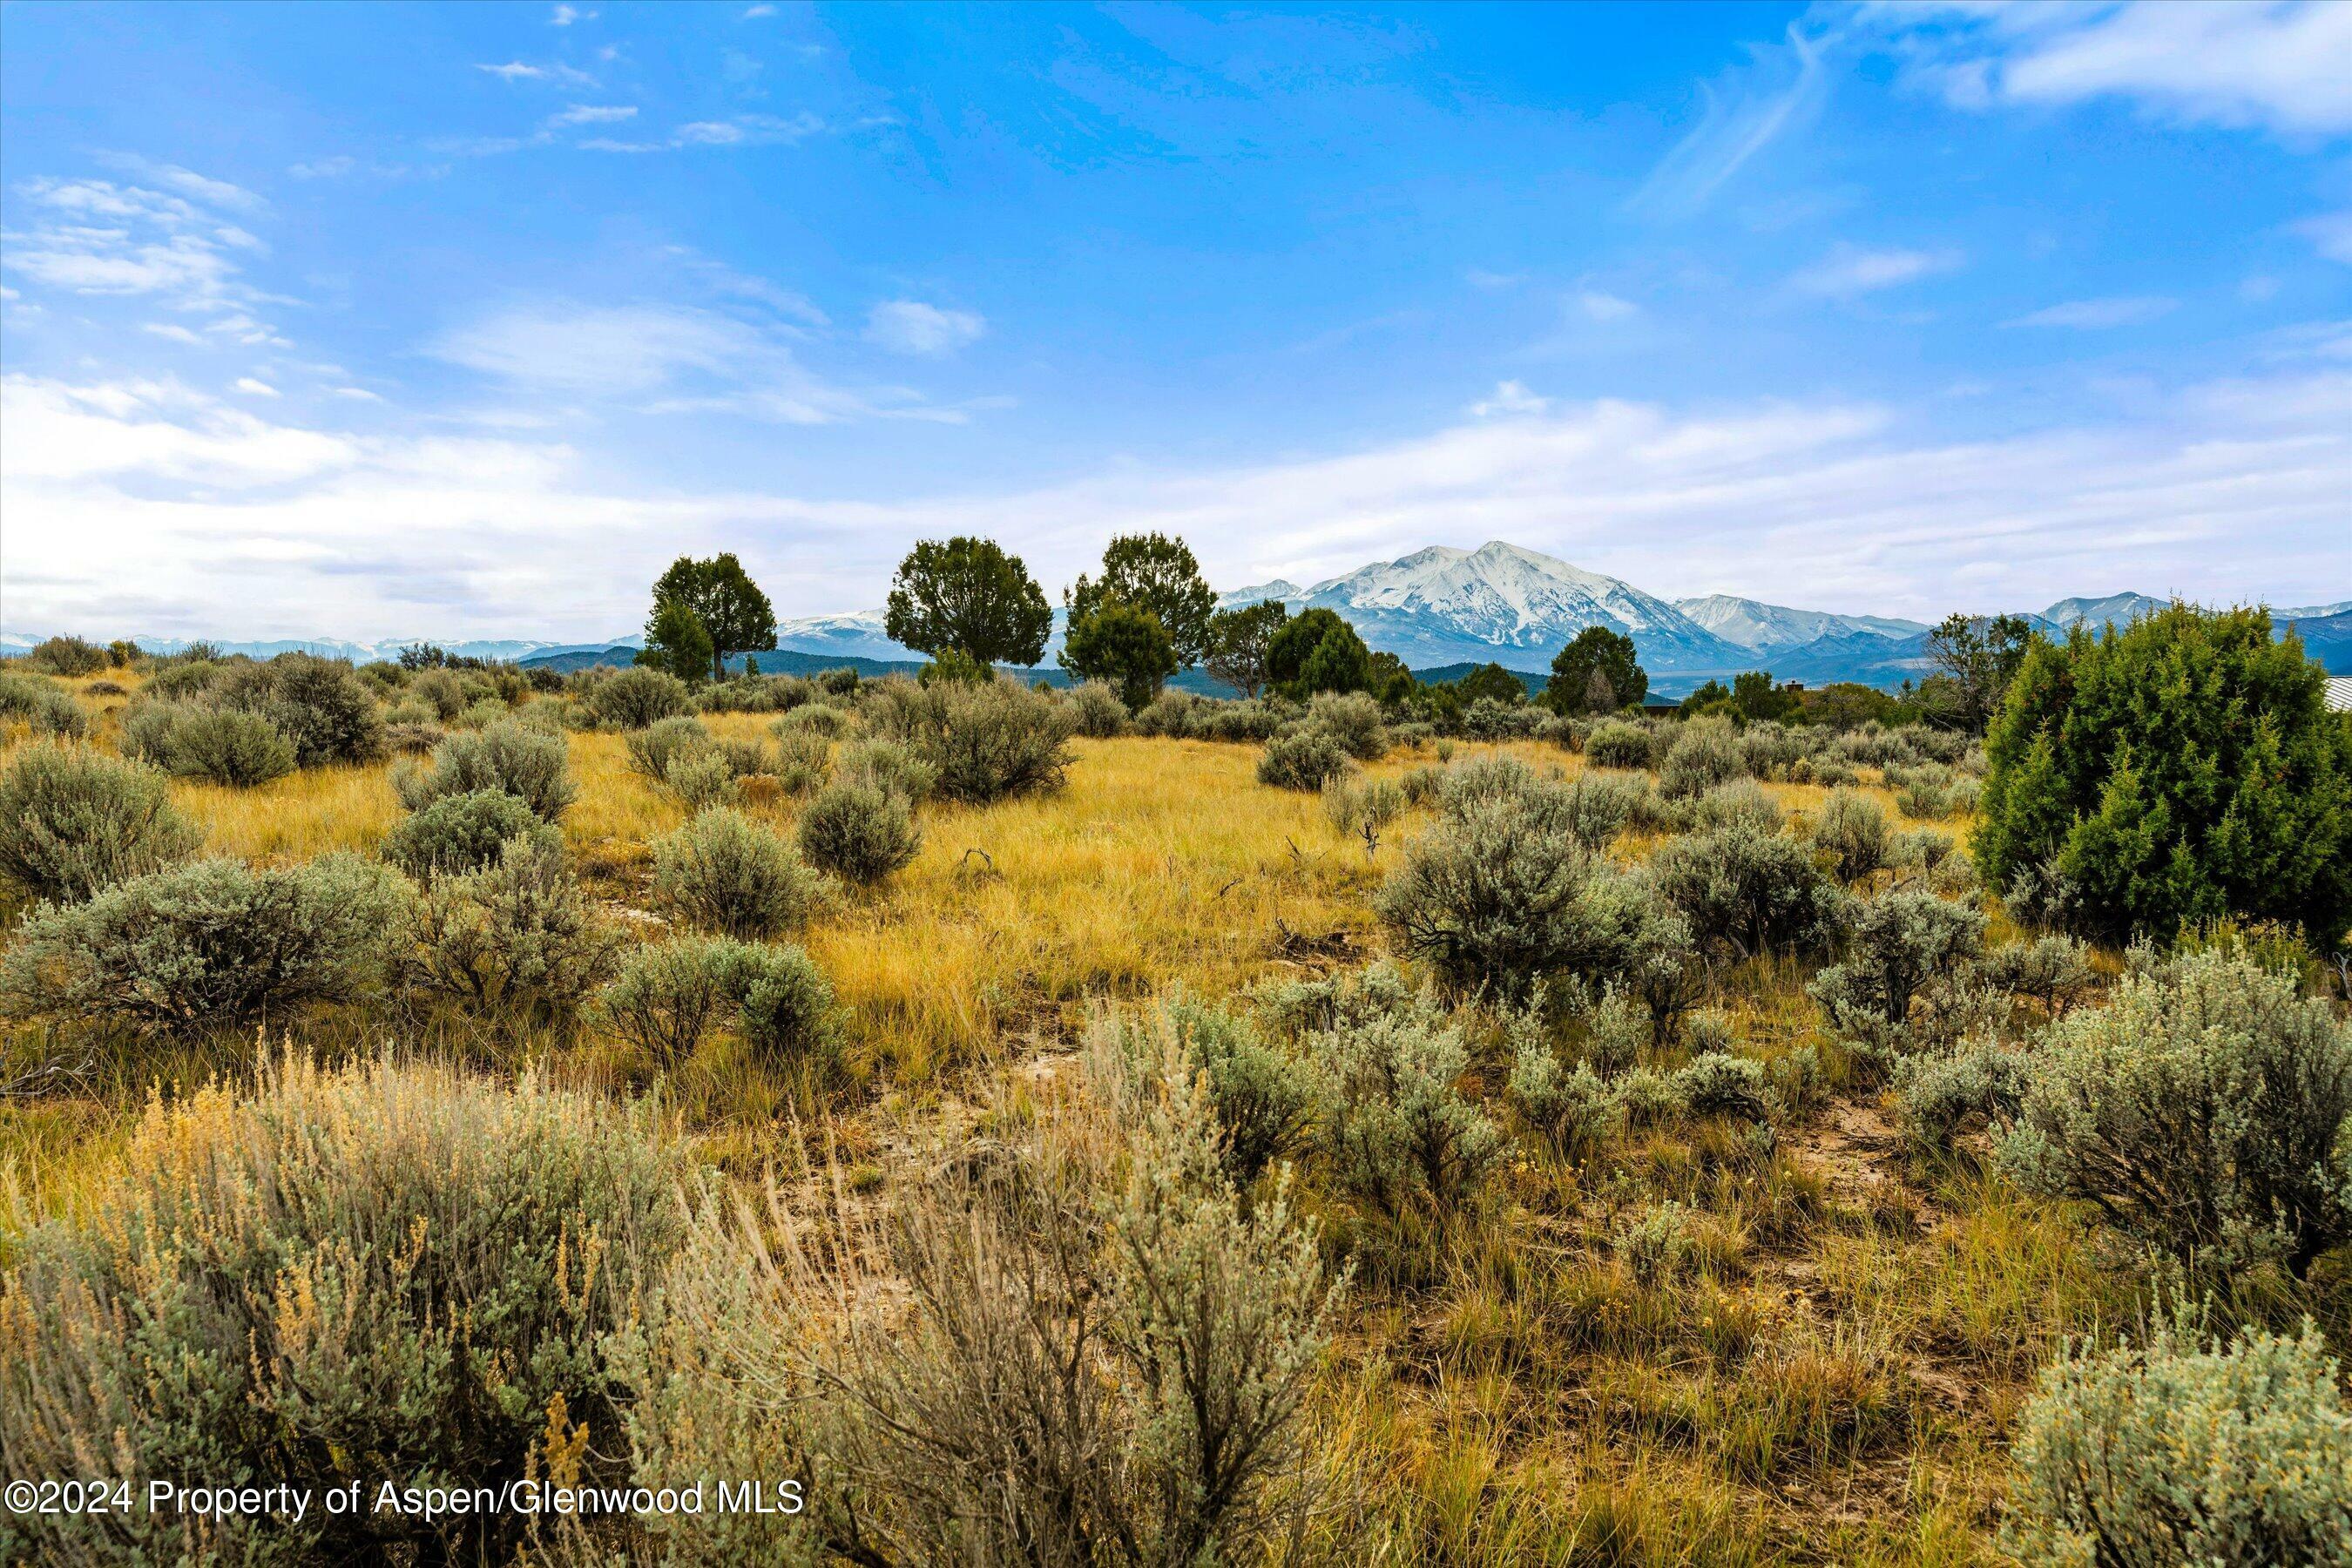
1756, 626
2120, 608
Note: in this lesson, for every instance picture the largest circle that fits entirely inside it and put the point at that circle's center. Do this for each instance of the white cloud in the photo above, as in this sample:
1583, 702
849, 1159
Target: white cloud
742, 131
188, 183
2331, 232
2283, 65
1510, 397
565, 16
135, 507
177, 333
1606, 306
1741, 114
253, 388
519, 70
594, 114
324, 168
753, 13
97, 238
665, 359
1849, 270
912, 327
2121, 311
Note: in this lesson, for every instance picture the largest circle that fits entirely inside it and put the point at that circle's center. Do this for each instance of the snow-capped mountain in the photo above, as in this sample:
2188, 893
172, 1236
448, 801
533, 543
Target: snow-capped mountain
1503, 603
858, 634
1756, 626
1281, 589
2120, 608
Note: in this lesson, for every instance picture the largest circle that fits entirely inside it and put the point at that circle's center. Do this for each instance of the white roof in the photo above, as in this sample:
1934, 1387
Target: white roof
2340, 694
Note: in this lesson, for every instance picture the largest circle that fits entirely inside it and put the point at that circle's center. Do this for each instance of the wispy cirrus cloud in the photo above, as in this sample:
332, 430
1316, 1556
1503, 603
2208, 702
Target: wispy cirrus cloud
659, 358
737, 131
1776, 92
1849, 270
553, 70
912, 327
2091, 315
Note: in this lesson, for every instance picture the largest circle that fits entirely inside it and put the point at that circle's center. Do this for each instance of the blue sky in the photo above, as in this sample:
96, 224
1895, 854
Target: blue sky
378, 321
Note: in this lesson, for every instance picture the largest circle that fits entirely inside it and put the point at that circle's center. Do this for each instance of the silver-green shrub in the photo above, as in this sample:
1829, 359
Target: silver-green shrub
859, 832
1747, 890
1938, 1096
74, 821
660, 746
223, 745
320, 705
1353, 719
1100, 714
210, 944
987, 741
48, 710
725, 873
633, 698
2053, 971
889, 766
1571, 1109
1359, 809
1704, 754
1897, 942
522, 760
1620, 745
396, 1274
462, 832
516, 940
1398, 1136
1852, 830
669, 998
2206, 1110
1490, 898
1742, 801
2185, 1449
1303, 758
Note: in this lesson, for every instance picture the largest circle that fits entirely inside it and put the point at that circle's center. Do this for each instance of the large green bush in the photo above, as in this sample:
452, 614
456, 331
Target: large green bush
1704, 754
1746, 890
2175, 771
858, 832
670, 997
399, 1274
195, 739
209, 944
2182, 1449
633, 698
320, 705
519, 759
724, 872
1896, 943
74, 821
1490, 898
988, 740
47, 709
2206, 1108
515, 940
67, 655
461, 833
1306, 757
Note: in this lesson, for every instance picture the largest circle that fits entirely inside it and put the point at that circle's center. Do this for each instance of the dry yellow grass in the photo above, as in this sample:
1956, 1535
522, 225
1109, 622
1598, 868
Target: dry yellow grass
1531, 1404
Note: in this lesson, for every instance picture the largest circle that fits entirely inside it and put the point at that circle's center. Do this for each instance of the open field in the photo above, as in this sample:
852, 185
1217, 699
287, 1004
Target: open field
1776, 1337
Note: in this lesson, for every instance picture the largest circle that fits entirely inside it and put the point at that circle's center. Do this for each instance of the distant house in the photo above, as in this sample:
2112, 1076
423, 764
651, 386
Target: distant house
2340, 694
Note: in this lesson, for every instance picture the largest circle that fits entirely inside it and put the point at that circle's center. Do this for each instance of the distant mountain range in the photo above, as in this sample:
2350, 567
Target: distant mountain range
1441, 608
